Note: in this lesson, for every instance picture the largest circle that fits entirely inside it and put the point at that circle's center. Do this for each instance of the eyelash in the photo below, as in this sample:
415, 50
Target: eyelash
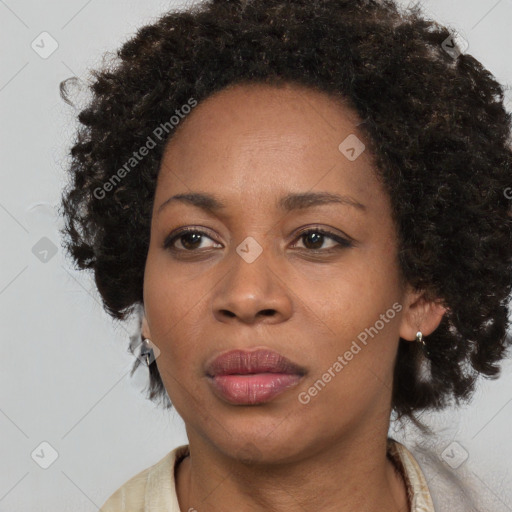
343, 243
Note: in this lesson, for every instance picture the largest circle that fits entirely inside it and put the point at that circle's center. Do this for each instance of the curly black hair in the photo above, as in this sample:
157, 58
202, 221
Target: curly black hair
434, 119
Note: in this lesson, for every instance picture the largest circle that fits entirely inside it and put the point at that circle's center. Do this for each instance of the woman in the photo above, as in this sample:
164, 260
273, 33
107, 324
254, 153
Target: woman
305, 203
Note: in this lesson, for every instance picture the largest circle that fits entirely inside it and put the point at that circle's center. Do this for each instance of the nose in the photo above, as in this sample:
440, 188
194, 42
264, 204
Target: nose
252, 292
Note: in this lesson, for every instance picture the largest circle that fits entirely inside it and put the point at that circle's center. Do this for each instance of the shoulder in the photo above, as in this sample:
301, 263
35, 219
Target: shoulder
416, 483
457, 488
154, 486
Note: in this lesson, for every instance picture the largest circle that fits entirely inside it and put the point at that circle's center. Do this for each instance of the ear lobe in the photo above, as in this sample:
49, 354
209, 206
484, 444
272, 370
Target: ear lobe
421, 315
146, 333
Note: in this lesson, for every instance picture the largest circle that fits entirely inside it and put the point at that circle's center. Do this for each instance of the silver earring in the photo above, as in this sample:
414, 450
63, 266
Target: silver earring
146, 353
419, 339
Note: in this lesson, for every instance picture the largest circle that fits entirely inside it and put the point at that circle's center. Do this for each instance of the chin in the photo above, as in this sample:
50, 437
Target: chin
253, 447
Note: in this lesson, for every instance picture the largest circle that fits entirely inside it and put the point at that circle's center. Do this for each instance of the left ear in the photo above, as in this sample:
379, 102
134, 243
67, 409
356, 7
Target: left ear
420, 314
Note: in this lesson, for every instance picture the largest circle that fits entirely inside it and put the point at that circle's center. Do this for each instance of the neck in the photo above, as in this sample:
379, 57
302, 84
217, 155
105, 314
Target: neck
345, 476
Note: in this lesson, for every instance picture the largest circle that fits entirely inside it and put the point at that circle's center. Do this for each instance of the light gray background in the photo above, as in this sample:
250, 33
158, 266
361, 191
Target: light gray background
64, 369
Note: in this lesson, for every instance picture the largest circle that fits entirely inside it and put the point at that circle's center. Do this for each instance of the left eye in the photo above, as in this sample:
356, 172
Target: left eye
316, 237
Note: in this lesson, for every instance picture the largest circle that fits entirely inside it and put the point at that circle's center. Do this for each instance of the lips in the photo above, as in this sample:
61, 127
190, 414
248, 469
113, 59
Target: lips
245, 362
252, 377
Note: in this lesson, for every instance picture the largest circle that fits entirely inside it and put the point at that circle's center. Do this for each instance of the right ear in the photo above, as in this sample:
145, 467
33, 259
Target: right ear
146, 333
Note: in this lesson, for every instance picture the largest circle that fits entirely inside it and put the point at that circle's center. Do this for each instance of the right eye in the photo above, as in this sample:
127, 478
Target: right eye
190, 240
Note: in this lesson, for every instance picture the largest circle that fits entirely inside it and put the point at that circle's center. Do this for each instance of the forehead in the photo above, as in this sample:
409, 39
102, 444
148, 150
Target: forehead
261, 139
269, 112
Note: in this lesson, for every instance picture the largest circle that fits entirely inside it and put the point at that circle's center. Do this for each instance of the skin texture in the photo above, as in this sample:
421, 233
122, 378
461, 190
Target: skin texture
249, 145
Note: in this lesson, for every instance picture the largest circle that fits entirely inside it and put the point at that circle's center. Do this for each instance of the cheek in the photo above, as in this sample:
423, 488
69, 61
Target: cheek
353, 365
169, 294
353, 296
171, 302
360, 306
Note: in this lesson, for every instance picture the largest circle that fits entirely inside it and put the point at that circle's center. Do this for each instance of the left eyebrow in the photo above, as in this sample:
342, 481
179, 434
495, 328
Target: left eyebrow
289, 202
298, 201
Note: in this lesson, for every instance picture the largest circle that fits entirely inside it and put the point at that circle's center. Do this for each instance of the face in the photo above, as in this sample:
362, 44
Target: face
313, 280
